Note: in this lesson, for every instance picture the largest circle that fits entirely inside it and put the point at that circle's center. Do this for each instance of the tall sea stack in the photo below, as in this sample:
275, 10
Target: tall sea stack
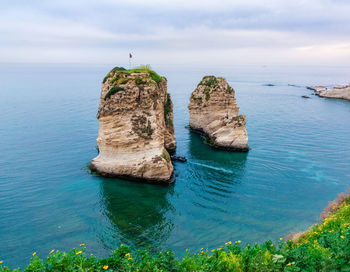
214, 112
136, 130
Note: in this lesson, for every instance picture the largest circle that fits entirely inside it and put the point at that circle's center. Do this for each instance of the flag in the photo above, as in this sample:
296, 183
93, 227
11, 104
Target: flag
130, 56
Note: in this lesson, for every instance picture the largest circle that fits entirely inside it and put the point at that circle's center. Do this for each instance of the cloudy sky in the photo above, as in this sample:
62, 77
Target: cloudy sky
176, 32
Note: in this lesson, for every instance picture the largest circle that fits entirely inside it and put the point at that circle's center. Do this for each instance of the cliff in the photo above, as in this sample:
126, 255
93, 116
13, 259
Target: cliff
213, 111
341, 92
136, 126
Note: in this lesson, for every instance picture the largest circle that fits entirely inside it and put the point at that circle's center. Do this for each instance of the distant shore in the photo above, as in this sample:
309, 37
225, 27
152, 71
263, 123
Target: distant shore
340, 92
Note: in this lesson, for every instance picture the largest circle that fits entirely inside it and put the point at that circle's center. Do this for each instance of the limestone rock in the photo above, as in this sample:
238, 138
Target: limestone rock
213, 111
136, 127
342, 92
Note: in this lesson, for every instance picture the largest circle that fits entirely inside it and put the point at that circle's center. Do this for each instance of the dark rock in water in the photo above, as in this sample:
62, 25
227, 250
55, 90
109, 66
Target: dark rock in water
296, 86
305, 96
269, 85
178, 158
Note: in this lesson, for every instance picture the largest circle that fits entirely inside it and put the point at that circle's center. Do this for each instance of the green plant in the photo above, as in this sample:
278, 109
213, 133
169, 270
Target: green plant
167, 110
325, 247
165, 155
113, 91
209, 81
206, 91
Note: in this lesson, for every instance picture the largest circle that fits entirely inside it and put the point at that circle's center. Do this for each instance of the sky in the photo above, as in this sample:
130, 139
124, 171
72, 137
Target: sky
221, 32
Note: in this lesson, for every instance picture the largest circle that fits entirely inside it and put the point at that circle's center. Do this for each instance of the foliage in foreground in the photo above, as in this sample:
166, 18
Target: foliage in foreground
325, 247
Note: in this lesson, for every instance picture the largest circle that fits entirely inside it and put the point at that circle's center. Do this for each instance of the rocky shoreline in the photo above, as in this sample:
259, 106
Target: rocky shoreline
340, 92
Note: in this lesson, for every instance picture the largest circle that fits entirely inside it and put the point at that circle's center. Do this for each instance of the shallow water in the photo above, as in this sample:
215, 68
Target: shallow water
299, 160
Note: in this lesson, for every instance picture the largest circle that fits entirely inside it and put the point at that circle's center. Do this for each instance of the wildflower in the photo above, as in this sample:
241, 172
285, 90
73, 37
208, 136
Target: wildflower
186, 249
219, 248
281, 239
121, 245
201, 248
129, 259
79, 252
105, 267
229, 242
82, 244
212, 250
1, 262
127, 254
341, 236
239, 241
289, 264
202, 251
52, 251
34, 254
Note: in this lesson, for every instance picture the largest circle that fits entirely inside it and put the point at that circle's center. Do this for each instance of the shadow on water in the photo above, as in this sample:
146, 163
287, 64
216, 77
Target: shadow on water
230, 162
215, 173
139, 213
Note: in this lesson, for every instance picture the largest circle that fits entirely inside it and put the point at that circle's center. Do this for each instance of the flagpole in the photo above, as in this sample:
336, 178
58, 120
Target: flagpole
130, 56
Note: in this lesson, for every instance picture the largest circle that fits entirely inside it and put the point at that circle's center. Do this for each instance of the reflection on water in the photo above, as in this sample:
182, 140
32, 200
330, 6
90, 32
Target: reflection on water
140, 213
214, 174
215, 169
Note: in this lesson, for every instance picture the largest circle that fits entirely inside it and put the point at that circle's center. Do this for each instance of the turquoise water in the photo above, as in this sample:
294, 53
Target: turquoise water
299, 160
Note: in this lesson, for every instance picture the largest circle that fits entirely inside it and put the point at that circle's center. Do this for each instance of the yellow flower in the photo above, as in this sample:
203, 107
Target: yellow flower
281, 239
121, 245
219, 248
105, 267
82, 244
129, 259
212, 250
34, 254
1, 262
229, 242
127, 254
239, 241
186, 249
341, 236
201, 248
202, 251
289, 264
79, 252
52, 251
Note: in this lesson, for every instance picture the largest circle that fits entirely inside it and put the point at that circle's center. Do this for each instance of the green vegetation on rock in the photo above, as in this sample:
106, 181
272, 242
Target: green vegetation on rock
209, 81
167, 110
207, 93
113, 91
120, 76
325, 247
165, 155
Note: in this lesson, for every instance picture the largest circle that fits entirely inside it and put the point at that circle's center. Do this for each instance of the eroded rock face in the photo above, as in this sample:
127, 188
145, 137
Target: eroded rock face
213, 111
136, 127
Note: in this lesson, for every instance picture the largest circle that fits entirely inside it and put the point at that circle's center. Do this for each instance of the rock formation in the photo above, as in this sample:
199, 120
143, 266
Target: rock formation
213, 111
136, 126
342, 92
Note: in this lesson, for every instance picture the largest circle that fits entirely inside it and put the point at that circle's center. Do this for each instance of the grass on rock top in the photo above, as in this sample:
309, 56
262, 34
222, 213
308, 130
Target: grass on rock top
118, 79
325, 247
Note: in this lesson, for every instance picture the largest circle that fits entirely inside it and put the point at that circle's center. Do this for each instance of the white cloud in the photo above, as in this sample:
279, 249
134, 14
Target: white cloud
265, 31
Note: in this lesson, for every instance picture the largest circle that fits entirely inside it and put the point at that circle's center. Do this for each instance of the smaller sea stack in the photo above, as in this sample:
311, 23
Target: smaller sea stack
214, 112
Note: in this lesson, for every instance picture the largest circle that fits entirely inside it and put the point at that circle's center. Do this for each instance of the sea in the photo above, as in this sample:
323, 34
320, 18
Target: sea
299, 161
